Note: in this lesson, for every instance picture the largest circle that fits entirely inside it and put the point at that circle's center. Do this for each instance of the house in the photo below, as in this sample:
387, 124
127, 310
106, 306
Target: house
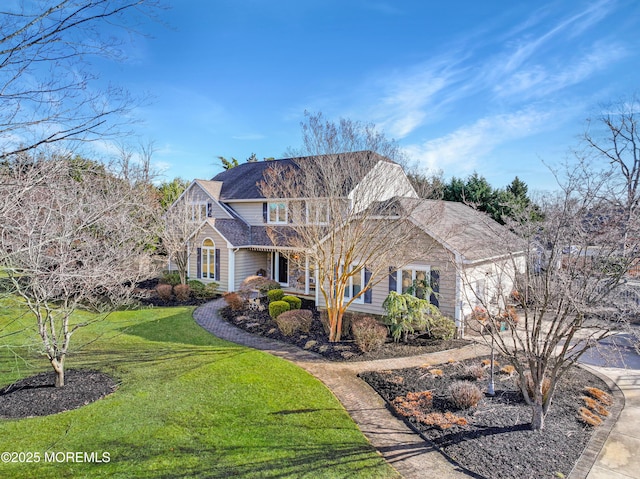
235, 226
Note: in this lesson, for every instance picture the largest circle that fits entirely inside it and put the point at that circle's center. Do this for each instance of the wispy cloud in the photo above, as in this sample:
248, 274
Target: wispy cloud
466, 145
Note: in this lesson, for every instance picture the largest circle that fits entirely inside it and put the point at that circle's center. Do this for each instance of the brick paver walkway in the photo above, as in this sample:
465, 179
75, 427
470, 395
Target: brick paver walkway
410, 455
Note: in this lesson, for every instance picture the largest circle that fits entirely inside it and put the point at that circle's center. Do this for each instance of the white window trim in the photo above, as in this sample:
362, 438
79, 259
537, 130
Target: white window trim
208, 252
278, 205
412, 268
349, 288
197, 208
318, 206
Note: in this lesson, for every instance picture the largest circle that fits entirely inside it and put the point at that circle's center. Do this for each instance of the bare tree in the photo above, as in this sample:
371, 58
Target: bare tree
73, 236
179, 226
49, 91
578, 258
343, 213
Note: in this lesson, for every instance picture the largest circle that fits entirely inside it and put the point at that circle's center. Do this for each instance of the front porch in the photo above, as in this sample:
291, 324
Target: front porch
289, 268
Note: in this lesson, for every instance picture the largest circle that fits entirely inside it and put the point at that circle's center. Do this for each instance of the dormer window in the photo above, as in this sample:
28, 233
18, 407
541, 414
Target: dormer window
277, 213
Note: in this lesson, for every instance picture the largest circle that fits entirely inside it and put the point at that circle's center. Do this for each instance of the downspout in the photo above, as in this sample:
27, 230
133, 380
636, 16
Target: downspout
458, 301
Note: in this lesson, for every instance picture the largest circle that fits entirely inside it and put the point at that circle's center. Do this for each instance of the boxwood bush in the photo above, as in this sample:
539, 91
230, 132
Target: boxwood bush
275, 295
276, 308
294, 302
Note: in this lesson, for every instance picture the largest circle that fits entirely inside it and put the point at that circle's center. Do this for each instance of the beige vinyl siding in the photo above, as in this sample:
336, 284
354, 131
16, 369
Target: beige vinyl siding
436, 257
220, 244
198, 195
248, 263
251, 212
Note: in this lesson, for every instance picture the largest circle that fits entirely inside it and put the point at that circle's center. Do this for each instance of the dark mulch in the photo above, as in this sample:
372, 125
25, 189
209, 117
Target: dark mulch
498, 442
37, 395
146, 295
260, 323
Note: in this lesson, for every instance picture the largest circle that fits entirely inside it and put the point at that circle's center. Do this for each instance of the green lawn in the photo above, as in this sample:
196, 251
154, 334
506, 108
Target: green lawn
188, 405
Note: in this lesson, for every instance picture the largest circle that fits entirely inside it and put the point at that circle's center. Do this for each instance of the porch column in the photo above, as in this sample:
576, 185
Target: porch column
232, 271
306, 274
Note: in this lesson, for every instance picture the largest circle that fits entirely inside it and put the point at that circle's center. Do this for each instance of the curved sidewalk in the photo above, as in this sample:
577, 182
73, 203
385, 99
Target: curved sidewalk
407, 452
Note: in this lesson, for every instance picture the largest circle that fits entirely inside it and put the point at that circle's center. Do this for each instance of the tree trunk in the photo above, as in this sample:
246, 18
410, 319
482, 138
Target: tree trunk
58, 367
537, 417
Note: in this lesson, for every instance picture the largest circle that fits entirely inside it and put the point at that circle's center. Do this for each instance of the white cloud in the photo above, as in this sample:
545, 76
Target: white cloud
465, 146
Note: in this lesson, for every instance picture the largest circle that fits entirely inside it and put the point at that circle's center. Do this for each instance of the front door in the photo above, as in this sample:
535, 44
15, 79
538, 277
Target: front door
280, 268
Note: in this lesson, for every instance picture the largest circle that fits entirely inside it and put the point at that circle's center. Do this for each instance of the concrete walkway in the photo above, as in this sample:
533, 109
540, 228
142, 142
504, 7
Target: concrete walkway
407, 452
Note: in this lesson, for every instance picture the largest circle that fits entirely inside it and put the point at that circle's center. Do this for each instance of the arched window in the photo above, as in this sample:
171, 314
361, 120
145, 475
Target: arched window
208, 259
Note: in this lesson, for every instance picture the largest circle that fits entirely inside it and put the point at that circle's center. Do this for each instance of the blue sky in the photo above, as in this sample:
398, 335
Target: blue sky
495, 87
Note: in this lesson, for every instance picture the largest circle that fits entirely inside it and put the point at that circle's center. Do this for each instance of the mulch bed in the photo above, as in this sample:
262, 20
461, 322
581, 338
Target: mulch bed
37, 395
260, 323
498, 442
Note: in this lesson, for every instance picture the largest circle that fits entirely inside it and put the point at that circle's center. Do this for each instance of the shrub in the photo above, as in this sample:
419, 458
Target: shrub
170, 277
508, 369
441, 327
275, 295
368, 334
164, 292
414, 404
510, 316
200, 290
260, 283
588, 417
182, 292
276, 308
474, 372
546, 385
595, 405
436, 372
465, 394
442, 421
600, 395
295, 320
235, 302
406, 313
294, 302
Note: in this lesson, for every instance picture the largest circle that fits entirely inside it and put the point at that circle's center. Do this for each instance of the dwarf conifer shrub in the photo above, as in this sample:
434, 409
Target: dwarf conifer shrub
164, 292
368, 334
442, 420
465, 394
275, 295
292, 321
414, 404
294, 302
182, 292
276, 308
441, 327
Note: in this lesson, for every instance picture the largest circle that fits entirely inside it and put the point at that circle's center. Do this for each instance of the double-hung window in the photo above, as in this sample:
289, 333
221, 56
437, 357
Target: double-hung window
355, 283
198, 211
415, 281
277, 213
318, 212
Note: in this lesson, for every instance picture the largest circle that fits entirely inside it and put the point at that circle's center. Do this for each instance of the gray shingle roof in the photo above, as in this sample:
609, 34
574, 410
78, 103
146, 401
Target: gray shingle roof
241, 182
469, 232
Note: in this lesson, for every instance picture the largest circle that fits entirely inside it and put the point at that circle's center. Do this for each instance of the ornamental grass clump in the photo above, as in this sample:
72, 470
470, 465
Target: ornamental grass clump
600, 395
589, 417
290, 322
368, 334
413, 404
164, 292
182, 292
234, 301
465, 394
473, 372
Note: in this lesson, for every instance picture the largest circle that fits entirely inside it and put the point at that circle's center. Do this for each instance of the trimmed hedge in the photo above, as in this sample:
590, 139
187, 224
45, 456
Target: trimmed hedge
276, 308
275, 294
294, 302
